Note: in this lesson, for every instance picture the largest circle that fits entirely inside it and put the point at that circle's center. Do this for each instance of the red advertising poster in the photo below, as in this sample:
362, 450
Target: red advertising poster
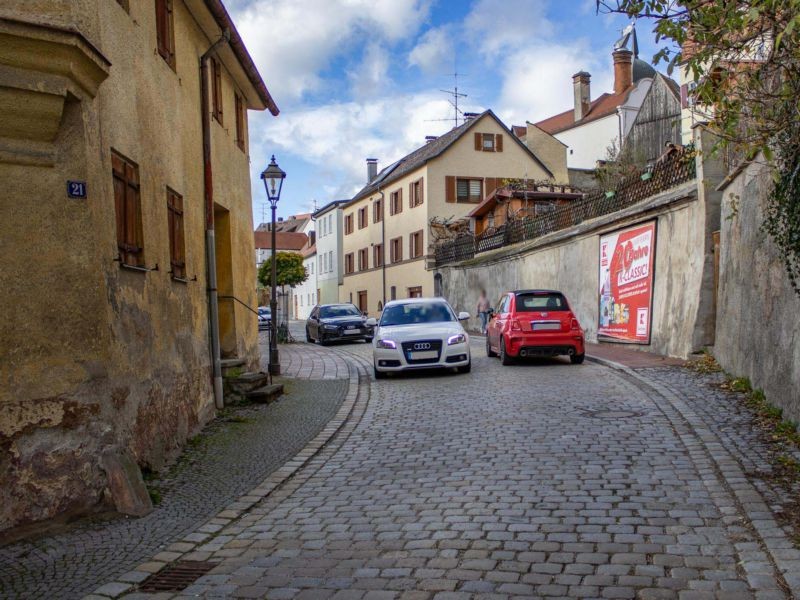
627, 258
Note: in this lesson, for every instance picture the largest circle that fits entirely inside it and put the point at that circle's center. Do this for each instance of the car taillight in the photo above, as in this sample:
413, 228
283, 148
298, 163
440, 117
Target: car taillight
515, 325
575, 324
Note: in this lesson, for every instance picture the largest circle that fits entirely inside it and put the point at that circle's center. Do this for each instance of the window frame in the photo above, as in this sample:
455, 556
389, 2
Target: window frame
396, 250
177, 235
165, 31
469, 198
128, 210
363, 259
396, 201
413, 250
377, 210
363, 217
349, 263
348, 224
377, 255
216, 90
488, 137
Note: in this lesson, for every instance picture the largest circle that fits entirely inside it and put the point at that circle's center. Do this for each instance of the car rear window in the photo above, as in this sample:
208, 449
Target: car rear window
546, 301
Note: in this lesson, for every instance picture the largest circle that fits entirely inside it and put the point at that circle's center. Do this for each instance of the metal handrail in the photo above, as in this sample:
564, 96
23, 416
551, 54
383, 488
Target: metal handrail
240, 302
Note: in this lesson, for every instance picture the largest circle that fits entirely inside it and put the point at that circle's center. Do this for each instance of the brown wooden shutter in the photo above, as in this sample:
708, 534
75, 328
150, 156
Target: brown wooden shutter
411, 195
498, 142
450, 188
399, 201
490, 185
421, 190
170, 34
478, 142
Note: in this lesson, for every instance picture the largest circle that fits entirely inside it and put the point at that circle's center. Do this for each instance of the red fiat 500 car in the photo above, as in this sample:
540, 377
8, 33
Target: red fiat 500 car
534, 323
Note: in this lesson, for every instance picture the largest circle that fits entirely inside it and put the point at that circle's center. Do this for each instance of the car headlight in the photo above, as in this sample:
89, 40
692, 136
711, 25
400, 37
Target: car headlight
387, 344
331, 327
456, 339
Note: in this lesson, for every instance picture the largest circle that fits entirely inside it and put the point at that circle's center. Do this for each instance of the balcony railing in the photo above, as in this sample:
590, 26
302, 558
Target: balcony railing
662, 176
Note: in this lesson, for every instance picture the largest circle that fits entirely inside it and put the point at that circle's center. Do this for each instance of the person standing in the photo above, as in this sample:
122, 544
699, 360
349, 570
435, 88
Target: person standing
483, 311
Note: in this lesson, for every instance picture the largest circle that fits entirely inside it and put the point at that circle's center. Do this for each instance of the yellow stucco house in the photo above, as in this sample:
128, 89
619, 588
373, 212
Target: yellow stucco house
105, 357
386, 232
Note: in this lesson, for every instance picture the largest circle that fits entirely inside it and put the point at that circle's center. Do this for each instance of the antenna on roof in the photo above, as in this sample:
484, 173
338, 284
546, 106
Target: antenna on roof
455, 95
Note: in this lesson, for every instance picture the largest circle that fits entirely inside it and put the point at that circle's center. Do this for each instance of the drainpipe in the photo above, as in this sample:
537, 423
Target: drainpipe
208, 193
383, 242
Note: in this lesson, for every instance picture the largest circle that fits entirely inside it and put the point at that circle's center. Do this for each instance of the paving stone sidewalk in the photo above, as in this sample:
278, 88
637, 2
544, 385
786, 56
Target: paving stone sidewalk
228, 458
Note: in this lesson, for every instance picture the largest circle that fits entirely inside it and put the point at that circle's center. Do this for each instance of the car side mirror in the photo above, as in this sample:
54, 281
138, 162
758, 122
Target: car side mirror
463, 316
372, 322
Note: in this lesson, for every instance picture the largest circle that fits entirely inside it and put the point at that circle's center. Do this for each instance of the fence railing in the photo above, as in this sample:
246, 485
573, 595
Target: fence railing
662, 176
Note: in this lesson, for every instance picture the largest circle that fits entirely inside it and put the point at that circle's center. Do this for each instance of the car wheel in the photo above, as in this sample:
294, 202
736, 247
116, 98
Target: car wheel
577, 359
489, 352
322, 340
505, 359
466, 368
379, 374
309, 339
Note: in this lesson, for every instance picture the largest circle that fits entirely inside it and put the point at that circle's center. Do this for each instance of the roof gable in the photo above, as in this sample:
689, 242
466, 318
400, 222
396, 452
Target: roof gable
422, 155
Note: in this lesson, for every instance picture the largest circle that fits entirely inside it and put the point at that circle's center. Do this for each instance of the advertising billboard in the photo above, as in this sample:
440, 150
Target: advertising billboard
627, 259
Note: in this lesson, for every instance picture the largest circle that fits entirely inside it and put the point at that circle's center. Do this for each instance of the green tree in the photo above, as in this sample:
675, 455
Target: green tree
744, 56
289, 267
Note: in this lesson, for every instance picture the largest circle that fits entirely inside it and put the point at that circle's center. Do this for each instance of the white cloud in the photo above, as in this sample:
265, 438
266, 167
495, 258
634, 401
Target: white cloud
293, 42
537, 80
371, 77
495, 27
434, 51
337, 138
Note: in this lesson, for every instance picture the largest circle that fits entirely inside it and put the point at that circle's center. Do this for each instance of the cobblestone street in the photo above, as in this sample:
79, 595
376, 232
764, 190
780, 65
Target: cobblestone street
535, 480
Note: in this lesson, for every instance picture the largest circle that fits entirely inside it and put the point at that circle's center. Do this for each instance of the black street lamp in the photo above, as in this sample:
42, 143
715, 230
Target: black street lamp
273, 182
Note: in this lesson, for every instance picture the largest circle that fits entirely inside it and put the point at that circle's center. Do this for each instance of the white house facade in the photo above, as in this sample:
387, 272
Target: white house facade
329, 266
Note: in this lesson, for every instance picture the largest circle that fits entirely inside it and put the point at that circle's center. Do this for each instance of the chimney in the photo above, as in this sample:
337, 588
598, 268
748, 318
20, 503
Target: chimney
469, 116
372, 169
583, 98
623, 70
430, 138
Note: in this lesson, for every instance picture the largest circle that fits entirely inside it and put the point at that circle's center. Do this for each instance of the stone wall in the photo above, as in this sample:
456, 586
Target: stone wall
758, 314
568, 260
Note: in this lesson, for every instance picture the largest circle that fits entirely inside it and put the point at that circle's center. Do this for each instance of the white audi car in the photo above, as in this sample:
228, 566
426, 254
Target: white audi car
419, 333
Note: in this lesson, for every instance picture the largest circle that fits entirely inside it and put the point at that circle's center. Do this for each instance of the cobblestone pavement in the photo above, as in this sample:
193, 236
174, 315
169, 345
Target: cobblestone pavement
228, 458
537, 480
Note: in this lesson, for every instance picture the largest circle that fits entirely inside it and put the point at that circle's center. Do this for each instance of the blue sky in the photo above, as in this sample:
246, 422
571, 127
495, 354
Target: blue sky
361, 78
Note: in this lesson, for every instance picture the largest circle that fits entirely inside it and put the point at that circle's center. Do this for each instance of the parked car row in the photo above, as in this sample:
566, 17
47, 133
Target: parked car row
426, 333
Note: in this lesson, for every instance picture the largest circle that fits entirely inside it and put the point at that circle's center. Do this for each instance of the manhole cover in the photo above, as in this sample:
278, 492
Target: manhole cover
609, 413
177, 576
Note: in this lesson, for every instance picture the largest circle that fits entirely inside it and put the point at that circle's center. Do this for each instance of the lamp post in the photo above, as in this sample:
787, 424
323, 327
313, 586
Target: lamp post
273, 182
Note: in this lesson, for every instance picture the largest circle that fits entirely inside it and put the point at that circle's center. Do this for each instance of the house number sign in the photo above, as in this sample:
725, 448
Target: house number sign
76, 189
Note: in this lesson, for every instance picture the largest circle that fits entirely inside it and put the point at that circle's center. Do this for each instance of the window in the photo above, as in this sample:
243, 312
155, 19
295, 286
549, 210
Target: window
469, 190
321, 265
415, 244
415, 191
216, 90
377, 255
441, 315
240, 122
396, 202
348, 224
349, 263
550, 302
396, 249
377, 211
362, 217
127, 203
488, 142
165, 32
177, 246
363, 259
362, 301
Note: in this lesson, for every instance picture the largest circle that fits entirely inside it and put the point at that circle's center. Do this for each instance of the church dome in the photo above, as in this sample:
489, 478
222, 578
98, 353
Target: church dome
642, 70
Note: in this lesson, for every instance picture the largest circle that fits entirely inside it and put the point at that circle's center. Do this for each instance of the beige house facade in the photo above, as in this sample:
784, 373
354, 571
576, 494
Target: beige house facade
105, 362
386, 241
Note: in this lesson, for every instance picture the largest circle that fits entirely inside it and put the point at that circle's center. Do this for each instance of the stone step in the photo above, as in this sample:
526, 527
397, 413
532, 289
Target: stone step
229, 364
246, 382
266, 394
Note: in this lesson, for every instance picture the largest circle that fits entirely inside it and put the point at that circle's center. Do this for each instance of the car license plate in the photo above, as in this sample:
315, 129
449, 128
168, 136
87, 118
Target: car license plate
351, 331
423, 355
546, 326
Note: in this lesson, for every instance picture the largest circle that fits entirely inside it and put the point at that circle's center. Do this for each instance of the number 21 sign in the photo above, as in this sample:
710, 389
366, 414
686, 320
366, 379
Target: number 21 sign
76, 189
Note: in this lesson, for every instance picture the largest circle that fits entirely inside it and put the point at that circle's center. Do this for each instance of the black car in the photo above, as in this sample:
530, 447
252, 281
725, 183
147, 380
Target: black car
332, 322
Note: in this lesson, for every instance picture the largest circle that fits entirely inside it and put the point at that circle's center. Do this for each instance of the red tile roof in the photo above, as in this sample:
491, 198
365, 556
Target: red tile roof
600, 107
291, 241
519, 130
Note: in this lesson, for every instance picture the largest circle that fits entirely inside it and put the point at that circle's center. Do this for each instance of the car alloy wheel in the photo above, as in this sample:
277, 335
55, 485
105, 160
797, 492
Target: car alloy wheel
577, 359
505, 359
309, 339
